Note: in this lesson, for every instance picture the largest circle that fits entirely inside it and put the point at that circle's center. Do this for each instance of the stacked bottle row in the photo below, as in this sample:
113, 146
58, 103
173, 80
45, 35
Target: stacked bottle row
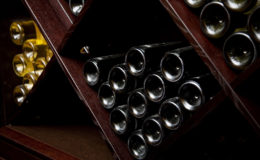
150, 91
236, 24
34, 57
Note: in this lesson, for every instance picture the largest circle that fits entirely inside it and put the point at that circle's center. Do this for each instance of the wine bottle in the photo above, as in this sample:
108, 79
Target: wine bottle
109, 98
33, 48
239, 50
139, 106
121, 121
76, 6
39, 65
19, 94
120, 80
152, 130
143, 58
156, 88
253, 25
137, 145
180, 64
21, 31
196, 91
215, 20
171, 113
96, 69
21, 65
49, 54
29, 80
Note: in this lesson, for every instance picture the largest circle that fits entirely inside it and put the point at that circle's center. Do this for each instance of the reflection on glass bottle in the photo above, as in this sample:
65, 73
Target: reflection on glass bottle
241, 5
19, 94
33, 48
39, 65
21, 65
76, 6
195, 3
253, 25
49, 54
29, 80
21, 31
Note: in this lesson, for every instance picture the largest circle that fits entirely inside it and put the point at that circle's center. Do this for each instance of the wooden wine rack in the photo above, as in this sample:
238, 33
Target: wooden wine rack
111, 27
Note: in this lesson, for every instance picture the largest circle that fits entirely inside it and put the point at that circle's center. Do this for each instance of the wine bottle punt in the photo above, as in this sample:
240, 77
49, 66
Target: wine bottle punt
137, 103
121, 121
152, 130
171, 113
21, 65
215, 20
239, 50
21, 31
137, 145
120, 80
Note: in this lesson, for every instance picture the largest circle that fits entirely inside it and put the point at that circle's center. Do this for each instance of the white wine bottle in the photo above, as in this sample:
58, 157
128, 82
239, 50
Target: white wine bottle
22, 65
33, 48
19, 94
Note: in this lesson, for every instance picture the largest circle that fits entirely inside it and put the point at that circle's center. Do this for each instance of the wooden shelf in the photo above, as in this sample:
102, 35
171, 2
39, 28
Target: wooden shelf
58, 142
